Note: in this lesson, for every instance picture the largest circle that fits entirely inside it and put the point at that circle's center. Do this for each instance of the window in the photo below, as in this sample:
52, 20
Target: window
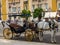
13, 9
32, 0
18, 9
40, 5
33, 7
0, 10
39, 0
9, 9
46, 5
59, 5
58, 0
26, 7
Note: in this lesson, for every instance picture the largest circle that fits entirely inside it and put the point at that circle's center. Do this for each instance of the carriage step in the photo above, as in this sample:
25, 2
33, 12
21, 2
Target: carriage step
16, 34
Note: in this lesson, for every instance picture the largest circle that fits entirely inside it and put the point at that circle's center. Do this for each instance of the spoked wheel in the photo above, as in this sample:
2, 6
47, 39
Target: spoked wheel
40, 36
7, 33
28, 35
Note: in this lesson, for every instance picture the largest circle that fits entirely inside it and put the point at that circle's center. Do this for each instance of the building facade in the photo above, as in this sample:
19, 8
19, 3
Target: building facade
14, 7
58, 4
0, 10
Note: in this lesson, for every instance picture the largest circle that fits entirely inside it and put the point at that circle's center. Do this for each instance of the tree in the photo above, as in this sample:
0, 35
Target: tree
26, 13
38, 13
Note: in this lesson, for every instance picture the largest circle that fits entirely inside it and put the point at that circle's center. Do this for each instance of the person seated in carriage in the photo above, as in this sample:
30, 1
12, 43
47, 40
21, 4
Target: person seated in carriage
26, 24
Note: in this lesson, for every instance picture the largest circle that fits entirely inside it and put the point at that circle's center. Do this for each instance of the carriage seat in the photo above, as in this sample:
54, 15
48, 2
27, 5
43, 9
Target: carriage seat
15, 26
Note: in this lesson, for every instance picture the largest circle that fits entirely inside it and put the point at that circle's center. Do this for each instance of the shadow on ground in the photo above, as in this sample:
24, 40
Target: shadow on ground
46, 39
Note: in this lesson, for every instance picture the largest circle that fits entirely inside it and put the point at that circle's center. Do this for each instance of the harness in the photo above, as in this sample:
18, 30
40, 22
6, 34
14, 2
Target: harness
52, 24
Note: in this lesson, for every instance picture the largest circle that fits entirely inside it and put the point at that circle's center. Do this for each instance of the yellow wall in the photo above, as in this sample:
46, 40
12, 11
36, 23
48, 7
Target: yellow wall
21, 4
30, 4
54, 5
4, 12
9, 0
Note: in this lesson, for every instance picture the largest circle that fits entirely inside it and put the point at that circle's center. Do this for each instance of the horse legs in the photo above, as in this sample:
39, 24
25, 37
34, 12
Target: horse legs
53, 35
41, 35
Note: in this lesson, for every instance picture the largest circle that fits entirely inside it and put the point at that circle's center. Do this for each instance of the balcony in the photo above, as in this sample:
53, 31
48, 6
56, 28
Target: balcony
14, 14
15, 2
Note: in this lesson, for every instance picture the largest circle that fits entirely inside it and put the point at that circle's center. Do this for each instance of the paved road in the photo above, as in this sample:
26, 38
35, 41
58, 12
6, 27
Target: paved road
21, 40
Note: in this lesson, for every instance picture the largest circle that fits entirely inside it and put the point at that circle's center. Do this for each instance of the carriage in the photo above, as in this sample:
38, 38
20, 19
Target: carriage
12, 30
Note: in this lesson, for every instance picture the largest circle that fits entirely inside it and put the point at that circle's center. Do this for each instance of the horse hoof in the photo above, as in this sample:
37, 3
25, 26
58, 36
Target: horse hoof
41, 40
53, 42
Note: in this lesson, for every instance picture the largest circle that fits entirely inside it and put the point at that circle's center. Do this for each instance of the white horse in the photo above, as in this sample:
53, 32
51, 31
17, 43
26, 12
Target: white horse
44, 26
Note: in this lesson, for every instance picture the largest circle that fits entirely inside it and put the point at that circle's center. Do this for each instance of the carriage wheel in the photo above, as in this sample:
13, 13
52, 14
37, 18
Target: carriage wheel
40, 36
7, 33
28, 35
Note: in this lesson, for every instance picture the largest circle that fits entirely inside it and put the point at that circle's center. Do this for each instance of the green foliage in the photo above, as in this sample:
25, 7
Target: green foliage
26, 13
38, 12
